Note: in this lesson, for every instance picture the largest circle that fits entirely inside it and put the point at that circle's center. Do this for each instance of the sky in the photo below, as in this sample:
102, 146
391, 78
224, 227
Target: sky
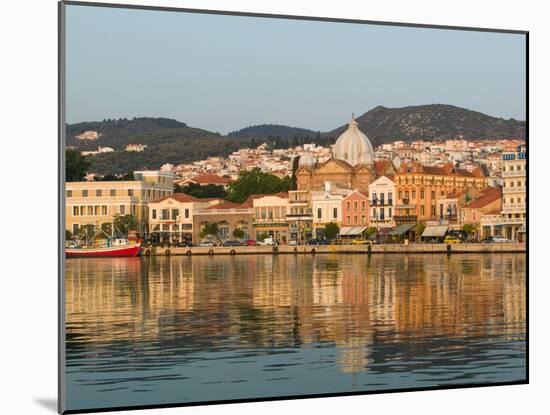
222, 73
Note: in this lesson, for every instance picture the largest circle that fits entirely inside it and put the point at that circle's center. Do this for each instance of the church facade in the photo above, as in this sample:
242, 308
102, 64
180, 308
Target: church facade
352, 165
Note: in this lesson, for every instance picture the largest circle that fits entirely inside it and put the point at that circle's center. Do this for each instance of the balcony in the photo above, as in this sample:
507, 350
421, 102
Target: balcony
521, 189
405, 218
495, 220
299, 216
515, 173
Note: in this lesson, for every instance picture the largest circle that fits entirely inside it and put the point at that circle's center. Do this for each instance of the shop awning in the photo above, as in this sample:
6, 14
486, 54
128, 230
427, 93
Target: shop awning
435, 231
351, 230
401, 229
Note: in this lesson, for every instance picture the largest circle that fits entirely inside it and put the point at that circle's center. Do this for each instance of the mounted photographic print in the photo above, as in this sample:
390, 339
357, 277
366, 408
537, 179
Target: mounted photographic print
258, 207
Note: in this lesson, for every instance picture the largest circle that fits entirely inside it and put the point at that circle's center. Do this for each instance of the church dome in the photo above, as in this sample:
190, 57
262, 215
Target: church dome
353, 146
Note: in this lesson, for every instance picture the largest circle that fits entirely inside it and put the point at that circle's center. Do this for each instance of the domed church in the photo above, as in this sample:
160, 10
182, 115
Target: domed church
351, 166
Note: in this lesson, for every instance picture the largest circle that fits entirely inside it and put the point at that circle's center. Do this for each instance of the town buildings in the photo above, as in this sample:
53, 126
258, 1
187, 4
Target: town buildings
98, 202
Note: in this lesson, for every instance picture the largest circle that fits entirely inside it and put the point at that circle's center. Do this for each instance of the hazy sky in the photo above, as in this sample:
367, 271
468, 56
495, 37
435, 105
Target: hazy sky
222, 73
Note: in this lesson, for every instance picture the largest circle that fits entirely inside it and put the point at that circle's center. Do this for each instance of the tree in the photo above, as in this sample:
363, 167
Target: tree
68, 235
86, 232
331, 230
210, 229
256, 182
125, 223
370, 232
196, 190
76, 165
238, 233
469, 229
293, 179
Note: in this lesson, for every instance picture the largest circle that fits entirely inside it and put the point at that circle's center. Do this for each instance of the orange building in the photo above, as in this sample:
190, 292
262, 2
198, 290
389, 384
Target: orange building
419, 187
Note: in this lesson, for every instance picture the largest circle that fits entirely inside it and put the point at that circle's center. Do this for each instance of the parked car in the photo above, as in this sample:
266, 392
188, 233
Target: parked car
184, 244
451, 239
206, 244
361, 241
232, 243
251, 242
487, 240
315, 241
293, 242
267, 242
500, 239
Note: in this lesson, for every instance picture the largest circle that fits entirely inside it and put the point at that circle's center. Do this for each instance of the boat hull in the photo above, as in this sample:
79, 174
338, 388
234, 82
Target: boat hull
104, 252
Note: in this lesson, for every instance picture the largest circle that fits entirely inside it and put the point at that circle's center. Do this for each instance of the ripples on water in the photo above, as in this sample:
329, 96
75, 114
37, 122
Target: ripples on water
183, 329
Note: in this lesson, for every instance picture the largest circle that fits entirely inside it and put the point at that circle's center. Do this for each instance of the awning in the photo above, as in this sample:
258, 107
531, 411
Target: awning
435, 231
401, 229
351, 230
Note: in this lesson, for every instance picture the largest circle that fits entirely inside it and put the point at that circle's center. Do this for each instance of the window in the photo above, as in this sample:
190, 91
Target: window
175, 213
82, 210
319, 213
186, 213
75, 210
512, 200
122, 209
519, 184
104, 210
69, 193
363, 206
433, 194
363, 219
90, 210
400, 195
348, 220
113, 192
355, 205
97, 210
422, 211
512, 168
355, 220
98, 192
334, 213
84, 193
165, 214
348, 208
382, 213
389, 213
512, 184
130, 192
390, 197
414, 194
374, 213
422, 194
433, 210
154, 213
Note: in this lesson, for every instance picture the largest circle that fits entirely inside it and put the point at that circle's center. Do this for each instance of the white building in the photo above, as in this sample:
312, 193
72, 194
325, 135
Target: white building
382, 202
327, 207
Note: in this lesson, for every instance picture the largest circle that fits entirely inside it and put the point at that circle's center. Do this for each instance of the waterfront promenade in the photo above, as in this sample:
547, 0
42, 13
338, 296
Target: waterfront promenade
412, 248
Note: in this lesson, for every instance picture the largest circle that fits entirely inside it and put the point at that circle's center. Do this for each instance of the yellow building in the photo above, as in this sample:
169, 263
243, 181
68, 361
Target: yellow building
95, 203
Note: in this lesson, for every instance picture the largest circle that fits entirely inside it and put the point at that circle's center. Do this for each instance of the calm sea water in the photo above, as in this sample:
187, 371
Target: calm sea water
185, 329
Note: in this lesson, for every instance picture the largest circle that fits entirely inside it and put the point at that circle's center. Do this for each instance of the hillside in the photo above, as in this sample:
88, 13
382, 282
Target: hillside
171, 141
430, 122
168, 141
273, 130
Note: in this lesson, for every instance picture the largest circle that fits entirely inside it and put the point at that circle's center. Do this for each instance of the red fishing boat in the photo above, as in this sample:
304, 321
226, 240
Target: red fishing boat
111, 246
116, 248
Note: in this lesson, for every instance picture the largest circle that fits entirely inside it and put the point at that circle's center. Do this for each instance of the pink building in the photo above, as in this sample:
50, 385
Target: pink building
355, 209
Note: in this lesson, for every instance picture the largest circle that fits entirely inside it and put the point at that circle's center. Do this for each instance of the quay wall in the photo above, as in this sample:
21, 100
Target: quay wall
344, 249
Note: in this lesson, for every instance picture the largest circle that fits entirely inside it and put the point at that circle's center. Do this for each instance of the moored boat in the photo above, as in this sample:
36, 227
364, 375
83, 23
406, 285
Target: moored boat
114, 248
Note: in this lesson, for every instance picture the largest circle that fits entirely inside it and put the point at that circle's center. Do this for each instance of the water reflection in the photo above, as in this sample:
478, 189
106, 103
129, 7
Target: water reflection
177, 329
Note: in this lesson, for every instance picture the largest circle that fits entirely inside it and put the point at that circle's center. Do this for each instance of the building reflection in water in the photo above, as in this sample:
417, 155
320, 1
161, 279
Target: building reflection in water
352, 302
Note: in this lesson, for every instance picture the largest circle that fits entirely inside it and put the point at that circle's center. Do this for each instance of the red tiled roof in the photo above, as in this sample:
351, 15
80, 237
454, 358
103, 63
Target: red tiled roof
210, 179
225, 205
489, 195
180, 197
